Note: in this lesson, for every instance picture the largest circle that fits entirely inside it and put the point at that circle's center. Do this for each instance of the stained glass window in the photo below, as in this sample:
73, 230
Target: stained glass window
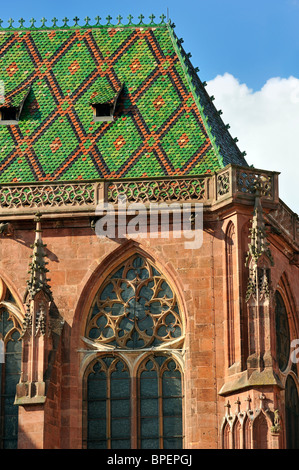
292, 414
160, 422
282, 333
10, 370
108, 405
135, 308
134, 397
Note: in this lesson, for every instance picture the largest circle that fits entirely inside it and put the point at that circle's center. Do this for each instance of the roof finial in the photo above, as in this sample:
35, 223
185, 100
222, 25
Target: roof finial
140, 17
76, 19
130, 17
43, 22
98, 19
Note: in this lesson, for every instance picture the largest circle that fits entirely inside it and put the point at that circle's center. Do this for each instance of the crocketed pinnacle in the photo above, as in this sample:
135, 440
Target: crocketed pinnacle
258, 239
38, 280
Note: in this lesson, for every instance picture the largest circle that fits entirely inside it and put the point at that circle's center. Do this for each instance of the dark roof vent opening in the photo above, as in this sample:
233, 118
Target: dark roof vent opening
103, 101
103, 112
11, 109
9, 115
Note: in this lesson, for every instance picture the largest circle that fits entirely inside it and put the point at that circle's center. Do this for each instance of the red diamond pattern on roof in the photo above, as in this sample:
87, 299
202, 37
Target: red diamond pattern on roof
150, 131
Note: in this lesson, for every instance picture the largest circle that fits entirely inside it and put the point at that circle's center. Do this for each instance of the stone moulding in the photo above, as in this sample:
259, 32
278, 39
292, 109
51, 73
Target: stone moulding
233, 182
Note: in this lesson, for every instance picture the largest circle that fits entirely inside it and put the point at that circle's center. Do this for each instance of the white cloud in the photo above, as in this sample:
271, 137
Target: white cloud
266, 123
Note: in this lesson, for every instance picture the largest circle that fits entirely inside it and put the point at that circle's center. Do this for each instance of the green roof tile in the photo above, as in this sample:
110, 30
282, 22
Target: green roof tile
165, 123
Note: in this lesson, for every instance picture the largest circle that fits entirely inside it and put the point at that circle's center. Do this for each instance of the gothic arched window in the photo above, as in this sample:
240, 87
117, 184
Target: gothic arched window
133, 389
282, 332
160, 404
292, 414
108, 404
10, 369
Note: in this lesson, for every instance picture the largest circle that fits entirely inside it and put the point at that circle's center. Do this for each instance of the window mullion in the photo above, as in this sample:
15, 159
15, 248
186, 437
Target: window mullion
135, 421
108, 411
160, 405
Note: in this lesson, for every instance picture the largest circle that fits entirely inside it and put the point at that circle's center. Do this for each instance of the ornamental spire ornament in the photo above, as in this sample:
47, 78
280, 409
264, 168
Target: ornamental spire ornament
38, 292
37, 338
38, 280
258, 250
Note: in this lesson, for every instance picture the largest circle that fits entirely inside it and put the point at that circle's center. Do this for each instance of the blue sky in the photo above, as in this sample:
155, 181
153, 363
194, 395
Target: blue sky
252, 40
240, 47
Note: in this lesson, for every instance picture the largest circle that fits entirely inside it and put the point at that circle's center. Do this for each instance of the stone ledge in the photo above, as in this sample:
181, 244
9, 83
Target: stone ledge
257, 379
30, 393
37, 400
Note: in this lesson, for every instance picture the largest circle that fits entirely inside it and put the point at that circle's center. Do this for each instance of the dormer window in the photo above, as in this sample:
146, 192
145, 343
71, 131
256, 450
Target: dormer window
103, 112
103, 101
9, 115
11, 109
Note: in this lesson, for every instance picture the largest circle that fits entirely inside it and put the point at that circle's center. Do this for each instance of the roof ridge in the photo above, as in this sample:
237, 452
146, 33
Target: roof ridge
195, 83
183, 59
76, 25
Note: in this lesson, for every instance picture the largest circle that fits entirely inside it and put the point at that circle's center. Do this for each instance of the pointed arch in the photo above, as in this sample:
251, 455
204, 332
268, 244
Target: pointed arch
106, 404
135, 308
109, 265
261, 434
285, 290
10, 366
10, 298
160, 398
292, 413
247, 433
237, 434
226, 435
285, 323
132, 314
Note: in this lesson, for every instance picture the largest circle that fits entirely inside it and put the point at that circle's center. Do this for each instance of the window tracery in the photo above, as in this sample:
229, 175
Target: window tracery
135, 324
135, 308
10, 369
282, 332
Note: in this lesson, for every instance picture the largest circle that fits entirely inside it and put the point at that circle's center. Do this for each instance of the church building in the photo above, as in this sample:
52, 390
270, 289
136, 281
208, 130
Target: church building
149, 294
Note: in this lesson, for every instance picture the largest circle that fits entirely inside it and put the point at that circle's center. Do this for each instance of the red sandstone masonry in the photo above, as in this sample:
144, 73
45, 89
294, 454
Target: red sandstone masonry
77, 264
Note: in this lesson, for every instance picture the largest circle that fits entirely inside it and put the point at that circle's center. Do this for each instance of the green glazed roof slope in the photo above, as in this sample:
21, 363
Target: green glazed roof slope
165, 123
16, 98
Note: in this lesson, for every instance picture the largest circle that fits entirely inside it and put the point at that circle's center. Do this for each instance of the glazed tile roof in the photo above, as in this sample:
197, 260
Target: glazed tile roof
165, 122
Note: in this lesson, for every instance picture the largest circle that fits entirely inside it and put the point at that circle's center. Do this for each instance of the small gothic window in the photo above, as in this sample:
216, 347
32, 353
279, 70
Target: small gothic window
160, 404
260, 433
10, 369
282, 333
108, 405
11, 107
292, 414
102, 112
8, 115
103, 100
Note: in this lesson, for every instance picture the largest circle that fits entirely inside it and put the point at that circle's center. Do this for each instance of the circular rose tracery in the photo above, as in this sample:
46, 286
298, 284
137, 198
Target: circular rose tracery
134, 308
